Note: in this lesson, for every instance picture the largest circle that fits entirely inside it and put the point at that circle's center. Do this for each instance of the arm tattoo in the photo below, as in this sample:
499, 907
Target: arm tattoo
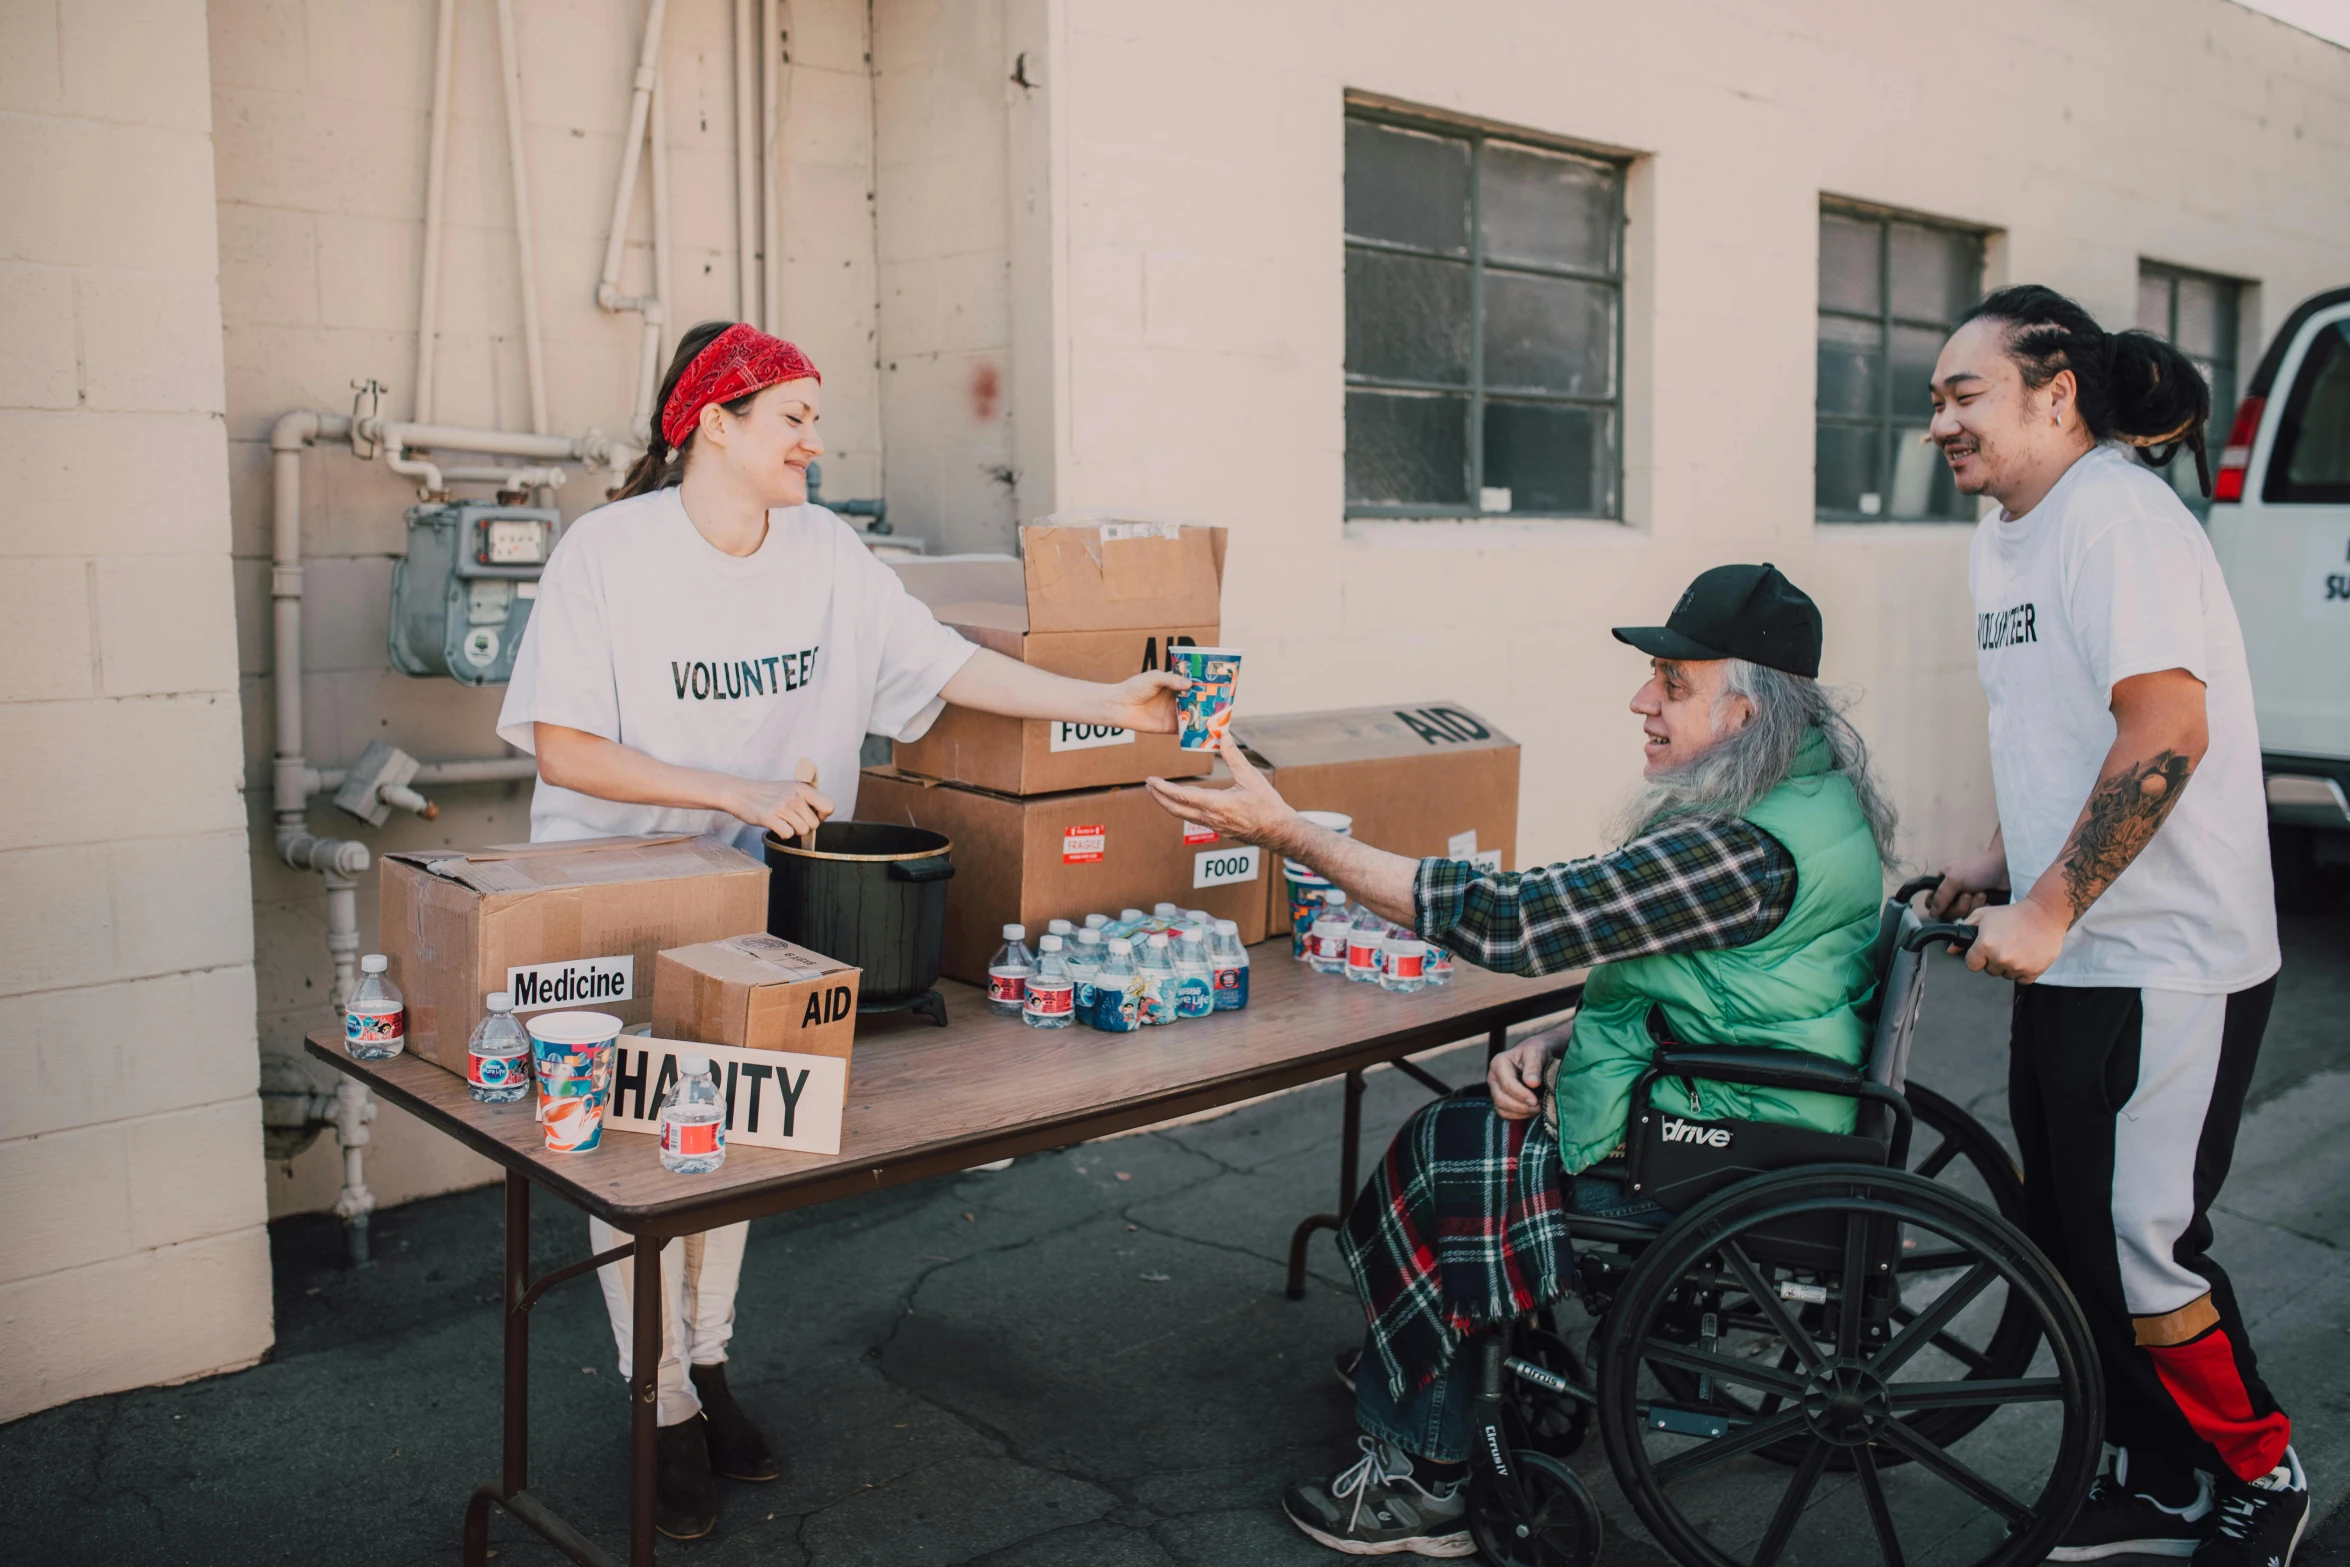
2120, 819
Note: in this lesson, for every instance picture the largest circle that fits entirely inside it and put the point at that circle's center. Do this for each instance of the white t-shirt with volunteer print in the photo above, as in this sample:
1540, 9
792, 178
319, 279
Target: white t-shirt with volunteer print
647, 634
2109, 577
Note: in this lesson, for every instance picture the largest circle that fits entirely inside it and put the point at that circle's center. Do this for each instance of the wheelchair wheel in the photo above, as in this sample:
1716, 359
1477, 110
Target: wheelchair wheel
1552, 1522
1791, 1285
1540, 1421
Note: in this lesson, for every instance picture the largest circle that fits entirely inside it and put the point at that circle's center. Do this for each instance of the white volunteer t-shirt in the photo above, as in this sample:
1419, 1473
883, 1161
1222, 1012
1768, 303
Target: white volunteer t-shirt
2110, 576
647, 634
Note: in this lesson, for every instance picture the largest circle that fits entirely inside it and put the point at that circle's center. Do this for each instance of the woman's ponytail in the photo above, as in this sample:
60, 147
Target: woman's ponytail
2131, 386
663, 465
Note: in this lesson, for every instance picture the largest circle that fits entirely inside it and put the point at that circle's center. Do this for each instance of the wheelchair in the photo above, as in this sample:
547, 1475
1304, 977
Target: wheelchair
1794, 1358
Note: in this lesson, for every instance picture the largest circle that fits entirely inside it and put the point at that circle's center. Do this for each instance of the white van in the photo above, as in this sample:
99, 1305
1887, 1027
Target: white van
2280, 522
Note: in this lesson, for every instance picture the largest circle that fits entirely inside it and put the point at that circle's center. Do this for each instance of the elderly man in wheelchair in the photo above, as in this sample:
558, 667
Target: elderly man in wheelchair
1797, 1261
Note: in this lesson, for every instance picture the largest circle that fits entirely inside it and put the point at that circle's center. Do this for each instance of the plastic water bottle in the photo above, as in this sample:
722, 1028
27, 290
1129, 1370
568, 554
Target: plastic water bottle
1052, 995
1164, 918
1365, 936
1096, 921
1085, 964
1062, 929
1406, 967
1439, 965
1326, 946
1199, 917
1008, 971
497, 1058
693, 1120
375, 1025
1195, 973
1229, 960
1117, 991
1367, 919
1157, 968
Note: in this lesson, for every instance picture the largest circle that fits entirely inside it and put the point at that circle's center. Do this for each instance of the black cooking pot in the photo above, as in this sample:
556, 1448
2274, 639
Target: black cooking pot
869, 893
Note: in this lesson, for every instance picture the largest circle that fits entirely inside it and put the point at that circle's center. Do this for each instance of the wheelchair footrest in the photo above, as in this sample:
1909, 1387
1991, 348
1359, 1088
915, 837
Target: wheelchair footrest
1690, 1422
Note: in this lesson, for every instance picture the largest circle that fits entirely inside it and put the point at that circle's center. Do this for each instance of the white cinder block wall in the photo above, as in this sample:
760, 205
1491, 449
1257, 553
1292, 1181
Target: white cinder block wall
1202, 314
130, 1181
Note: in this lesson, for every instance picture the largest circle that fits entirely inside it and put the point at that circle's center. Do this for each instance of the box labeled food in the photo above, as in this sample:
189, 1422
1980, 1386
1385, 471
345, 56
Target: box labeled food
774, 1098
558, 924
1420, 779
1098, 601
757, 991
1029, 860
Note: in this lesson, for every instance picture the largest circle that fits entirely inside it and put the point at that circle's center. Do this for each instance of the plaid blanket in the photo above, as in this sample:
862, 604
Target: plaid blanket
1462, 1226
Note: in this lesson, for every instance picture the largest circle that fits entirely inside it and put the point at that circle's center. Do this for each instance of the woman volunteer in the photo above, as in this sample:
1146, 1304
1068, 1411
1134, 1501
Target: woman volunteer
692, 642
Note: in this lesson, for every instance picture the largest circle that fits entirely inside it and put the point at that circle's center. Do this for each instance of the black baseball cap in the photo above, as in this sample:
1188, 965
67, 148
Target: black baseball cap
1749, 612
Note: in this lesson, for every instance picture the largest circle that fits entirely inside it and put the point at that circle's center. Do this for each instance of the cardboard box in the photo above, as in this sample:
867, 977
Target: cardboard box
757, 991
560, 924
1095, 602
1421, 780
1065, 856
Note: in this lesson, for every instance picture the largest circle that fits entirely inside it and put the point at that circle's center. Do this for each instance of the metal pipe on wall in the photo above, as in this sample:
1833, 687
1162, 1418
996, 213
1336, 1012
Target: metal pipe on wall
746, 168
436, 167
770, 165
510, 73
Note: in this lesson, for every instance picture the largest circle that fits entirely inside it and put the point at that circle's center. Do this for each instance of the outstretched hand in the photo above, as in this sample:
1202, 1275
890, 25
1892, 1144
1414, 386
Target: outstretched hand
1145, 703
1251, 811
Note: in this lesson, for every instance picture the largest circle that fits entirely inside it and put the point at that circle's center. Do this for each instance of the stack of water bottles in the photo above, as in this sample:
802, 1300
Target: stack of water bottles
1119, 975
1355, 941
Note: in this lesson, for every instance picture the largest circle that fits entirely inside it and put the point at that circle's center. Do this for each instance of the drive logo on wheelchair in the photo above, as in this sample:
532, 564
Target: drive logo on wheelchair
1676, 1130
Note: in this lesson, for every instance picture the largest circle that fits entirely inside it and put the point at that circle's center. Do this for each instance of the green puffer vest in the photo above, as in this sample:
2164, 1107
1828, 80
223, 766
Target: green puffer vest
1796, 988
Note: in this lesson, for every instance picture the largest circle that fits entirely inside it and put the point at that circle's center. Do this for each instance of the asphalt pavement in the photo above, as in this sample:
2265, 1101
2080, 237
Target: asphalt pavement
1083, 1359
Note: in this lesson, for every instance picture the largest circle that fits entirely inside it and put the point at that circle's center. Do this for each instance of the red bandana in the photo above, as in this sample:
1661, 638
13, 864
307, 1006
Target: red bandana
739, 361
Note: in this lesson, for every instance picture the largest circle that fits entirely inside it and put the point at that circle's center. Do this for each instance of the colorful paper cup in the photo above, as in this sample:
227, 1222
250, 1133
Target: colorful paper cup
1203, 709
573, 1054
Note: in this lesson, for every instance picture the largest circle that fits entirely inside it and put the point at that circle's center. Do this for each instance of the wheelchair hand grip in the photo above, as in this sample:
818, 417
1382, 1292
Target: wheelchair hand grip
1958, 935
1915, 885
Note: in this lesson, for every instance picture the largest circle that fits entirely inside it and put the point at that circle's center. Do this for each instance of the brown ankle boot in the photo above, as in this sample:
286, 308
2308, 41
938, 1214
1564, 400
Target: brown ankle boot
737, 1450
685, 1498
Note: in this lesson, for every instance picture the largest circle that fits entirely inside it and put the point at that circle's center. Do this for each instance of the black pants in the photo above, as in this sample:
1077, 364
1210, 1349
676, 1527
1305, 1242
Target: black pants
2126, 1104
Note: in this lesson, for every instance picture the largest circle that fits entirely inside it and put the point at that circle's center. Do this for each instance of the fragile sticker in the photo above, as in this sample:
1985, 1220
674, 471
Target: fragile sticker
1083, 845
1223, 867
1086, 737
1198, 833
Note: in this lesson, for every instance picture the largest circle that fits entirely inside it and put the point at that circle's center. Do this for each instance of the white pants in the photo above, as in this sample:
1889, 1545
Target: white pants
698, 1276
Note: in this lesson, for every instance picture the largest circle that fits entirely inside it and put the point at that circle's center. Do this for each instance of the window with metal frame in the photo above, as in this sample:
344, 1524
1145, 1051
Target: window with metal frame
1484, 323
1891, 287
2197, 313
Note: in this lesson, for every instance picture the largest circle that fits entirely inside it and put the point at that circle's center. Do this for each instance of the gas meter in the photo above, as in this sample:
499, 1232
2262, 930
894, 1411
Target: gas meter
463, 593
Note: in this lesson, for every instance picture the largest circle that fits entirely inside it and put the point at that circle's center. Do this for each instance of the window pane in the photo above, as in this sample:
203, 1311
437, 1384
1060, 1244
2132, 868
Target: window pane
2154, 304
1845, 476
1923, 490
1548, 209
1553, 460
1915, 348
1407, 317
1550, 334
1407, 187
1849, 272
2312, 453
1407, 449
1935, 272
1852, 355
2200, 309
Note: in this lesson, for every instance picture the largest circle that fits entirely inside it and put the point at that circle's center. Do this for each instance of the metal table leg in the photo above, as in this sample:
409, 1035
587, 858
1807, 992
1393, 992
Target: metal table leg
1349, 1151
644, 1364
512, 1493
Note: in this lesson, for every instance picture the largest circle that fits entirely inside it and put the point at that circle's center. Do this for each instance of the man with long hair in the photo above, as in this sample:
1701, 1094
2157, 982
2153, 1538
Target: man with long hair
1741, 900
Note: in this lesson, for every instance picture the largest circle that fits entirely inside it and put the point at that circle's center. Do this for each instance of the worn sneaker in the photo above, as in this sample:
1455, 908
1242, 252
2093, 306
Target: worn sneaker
2259, 1521
1376, 1508
2115, 1520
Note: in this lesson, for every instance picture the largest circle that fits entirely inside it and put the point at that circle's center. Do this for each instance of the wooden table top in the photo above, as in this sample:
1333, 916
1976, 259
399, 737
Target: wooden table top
925, 1100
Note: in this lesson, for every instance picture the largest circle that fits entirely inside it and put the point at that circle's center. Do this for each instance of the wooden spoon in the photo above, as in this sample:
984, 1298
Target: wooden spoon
806, 773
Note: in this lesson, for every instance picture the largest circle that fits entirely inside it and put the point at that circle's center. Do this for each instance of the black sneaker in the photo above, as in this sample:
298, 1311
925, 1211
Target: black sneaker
1377, 1508
2117, 1521
2259, 1521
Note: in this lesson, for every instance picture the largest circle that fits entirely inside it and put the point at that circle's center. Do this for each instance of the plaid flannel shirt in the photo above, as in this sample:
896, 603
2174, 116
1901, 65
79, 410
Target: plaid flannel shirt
1696, 884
